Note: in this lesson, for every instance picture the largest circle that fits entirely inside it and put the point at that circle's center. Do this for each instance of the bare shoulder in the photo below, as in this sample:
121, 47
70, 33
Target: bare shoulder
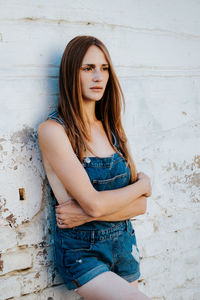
54, 143
51, 132
49, 125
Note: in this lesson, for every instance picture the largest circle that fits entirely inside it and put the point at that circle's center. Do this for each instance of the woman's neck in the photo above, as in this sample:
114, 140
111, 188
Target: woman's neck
89, 111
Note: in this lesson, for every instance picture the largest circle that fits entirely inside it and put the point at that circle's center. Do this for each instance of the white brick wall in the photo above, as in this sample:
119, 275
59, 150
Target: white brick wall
155, 47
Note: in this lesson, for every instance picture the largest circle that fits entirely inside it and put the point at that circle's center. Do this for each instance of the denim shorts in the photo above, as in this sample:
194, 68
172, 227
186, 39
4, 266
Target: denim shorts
86, 251
82, 255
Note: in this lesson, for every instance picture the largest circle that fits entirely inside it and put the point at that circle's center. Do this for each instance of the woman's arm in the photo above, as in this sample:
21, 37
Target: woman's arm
72, 215
56, 147
136, 208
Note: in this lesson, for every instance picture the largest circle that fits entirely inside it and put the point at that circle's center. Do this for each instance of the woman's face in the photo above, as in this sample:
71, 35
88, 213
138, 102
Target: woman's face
94, 74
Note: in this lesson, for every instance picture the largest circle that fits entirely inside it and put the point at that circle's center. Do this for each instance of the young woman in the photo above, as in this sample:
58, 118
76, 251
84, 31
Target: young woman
89, 166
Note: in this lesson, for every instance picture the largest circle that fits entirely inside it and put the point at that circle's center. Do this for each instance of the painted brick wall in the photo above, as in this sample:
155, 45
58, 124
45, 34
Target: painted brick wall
155, 47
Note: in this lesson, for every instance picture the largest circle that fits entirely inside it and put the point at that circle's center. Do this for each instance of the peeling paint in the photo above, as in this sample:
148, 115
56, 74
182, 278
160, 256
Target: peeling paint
185, 176
37, 275
11, 219
2, 203
21, 235
184, 165
193, 179
1, 263
25, 221
24, 136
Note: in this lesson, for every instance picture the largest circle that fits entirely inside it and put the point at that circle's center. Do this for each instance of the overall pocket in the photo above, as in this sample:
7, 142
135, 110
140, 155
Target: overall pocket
115, 182
71, 244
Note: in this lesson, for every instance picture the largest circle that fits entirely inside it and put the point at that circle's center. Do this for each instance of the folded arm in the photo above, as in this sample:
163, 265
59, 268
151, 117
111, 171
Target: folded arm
136, 208
72, 215
56, 147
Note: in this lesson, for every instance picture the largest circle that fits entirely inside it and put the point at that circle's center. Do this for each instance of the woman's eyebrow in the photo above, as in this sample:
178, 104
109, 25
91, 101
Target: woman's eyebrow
93, 65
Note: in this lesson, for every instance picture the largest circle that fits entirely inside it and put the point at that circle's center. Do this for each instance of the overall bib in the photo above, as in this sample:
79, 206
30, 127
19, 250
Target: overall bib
86, 251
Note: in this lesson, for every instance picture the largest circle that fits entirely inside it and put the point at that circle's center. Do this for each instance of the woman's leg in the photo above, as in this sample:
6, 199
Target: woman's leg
110, 286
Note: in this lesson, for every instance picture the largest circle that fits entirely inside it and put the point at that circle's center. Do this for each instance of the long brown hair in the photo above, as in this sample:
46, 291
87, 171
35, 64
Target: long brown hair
108, 109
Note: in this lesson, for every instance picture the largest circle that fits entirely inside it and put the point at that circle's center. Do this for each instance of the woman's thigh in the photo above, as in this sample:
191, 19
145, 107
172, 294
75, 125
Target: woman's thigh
110, 286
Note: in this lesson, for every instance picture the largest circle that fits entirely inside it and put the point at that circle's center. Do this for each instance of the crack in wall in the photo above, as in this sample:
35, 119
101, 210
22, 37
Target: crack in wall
103, 23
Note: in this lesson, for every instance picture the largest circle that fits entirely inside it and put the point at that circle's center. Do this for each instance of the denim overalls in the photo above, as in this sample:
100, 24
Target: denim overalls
86, 251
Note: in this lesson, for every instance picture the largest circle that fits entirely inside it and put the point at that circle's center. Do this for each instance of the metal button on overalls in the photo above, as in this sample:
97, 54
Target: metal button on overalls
87, 160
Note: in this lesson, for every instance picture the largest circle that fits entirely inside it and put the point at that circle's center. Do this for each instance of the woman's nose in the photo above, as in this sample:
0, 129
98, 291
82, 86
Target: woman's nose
97, 75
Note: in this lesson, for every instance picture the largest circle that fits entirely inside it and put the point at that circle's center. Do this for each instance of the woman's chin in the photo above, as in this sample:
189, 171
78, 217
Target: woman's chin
93, 98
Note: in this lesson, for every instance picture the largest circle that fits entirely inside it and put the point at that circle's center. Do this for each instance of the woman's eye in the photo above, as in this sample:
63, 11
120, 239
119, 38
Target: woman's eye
88, 69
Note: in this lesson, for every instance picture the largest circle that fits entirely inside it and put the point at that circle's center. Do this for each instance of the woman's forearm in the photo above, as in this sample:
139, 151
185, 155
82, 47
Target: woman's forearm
112, 201
136, 208
73, 215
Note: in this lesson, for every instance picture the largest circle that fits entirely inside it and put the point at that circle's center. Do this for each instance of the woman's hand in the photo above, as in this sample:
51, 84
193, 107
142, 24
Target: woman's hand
147, 183
70, 214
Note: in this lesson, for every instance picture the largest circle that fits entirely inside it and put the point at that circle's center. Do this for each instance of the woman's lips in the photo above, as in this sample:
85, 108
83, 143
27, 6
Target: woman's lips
97, 89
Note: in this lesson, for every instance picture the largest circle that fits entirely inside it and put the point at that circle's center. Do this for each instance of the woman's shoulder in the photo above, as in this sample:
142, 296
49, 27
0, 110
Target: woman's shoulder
51, 126
52, 135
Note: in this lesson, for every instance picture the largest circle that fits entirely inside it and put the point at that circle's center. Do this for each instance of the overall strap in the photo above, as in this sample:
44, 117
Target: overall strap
115, 142
54, 116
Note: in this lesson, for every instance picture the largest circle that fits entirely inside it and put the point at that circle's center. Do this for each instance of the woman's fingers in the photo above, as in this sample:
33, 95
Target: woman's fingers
62, 226
60, 217
59, 210
60, 221
64, 207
